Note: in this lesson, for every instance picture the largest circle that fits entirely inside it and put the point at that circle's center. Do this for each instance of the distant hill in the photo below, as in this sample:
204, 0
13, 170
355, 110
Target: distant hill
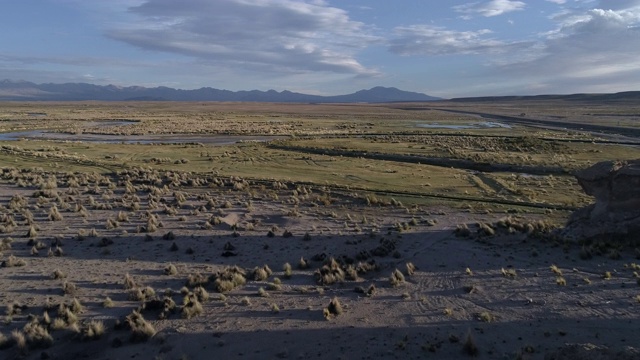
28, 91
620, 96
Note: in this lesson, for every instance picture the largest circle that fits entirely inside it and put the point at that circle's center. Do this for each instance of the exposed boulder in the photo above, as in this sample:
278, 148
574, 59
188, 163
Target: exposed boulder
616, 212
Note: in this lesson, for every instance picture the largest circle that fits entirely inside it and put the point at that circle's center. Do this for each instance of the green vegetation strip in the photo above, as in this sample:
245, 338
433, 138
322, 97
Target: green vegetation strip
435, 161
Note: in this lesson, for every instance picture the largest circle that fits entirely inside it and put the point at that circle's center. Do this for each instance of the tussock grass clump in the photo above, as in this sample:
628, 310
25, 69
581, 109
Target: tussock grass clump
69, 288
351, 273
485, 230
486, 316
303, 264
108, 303
15, 308
192, 307
13, 261
201, 294
76, 307
366, 267
170, 269
165, 307
54, 214
286, 268
509, 273
275, 308
129, 283
411, 269
111, 224
555, 270
197, 279
276, 285
5, 342
368, 292
66, 315
19, 339
396, 278
32, 232
262, 273
229, 279
560, 281
245, 301
93, 233
141, 330
330, 273
142, 294
122, 217
263, 293
5, 244
334, 309
93, 330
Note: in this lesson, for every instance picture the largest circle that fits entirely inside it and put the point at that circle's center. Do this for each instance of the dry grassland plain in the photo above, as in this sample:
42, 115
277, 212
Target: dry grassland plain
161, 230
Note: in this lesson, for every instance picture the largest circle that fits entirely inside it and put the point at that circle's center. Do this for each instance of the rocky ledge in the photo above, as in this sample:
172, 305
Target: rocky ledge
615, 215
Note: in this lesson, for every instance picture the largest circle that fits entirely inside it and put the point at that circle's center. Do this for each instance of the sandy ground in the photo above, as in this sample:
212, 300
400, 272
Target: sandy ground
430, 315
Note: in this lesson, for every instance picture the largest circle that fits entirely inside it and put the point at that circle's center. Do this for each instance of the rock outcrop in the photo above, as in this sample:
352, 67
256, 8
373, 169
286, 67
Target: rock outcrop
616, 213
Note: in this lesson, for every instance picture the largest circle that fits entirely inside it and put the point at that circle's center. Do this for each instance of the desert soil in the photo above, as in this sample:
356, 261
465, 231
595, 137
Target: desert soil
430, 315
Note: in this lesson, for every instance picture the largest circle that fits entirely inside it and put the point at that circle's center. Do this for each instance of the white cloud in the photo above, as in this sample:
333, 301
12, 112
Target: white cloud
281, 36
589, 51
432, 40
560, 2
489, 8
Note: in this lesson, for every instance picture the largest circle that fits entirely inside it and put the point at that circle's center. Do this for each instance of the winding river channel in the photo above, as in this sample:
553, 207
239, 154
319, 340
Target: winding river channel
210, 139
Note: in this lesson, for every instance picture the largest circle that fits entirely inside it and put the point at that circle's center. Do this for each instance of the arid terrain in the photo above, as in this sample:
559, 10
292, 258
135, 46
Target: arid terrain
144, 230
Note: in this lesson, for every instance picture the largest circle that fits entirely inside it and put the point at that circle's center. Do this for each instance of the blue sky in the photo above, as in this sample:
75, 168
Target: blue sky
443, 48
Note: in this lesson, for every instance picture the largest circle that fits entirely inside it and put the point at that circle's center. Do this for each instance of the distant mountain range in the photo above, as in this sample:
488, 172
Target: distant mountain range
28, 91
606, 97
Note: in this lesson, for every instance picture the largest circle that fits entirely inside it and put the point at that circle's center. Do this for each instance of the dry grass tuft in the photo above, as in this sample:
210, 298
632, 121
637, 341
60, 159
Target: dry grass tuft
141, 330
396, 278
411, 269
331, 272
13, 261
229, 279
93, 330
334, 309
170, 269
129, 283
192, 307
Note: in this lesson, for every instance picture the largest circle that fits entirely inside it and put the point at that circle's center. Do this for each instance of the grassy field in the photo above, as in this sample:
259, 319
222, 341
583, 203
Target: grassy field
377, 148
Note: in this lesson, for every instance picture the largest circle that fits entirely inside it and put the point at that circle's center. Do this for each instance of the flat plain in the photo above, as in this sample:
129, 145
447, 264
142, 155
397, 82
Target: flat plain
160, 230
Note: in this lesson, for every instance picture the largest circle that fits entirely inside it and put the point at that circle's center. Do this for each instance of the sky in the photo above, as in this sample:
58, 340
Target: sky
446, 48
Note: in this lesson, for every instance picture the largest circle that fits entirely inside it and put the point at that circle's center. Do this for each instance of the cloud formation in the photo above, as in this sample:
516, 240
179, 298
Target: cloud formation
281, 36
432, 40
597, 48
489, 8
